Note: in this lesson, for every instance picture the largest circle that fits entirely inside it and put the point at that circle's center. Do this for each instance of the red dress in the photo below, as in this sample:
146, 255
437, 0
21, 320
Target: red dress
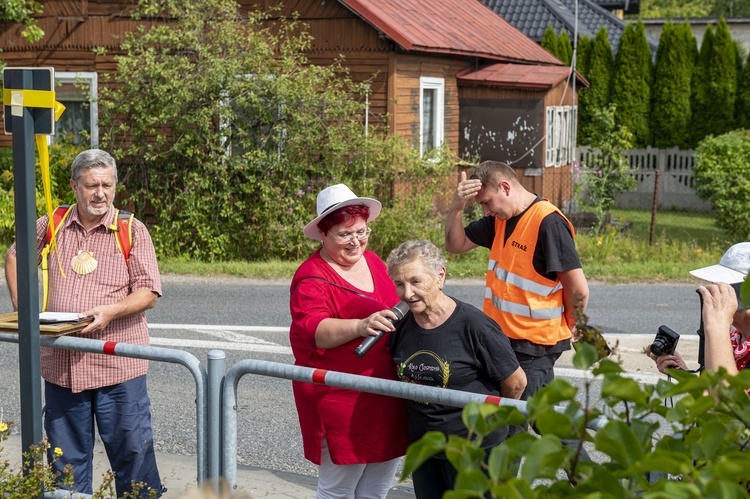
359, 427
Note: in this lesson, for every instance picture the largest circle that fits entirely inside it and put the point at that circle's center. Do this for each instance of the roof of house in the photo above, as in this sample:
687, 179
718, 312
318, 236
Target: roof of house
533, 16
627, 6
530, 77
460, 27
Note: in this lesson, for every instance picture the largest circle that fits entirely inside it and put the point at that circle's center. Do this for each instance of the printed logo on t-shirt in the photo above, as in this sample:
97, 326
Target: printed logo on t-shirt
425, 368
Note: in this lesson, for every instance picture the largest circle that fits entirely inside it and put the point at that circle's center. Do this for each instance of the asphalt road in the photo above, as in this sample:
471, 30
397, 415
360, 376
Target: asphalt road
248, 319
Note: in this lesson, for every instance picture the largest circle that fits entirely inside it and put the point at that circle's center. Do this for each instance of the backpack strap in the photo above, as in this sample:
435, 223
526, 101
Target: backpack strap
123, 229
53, 226
58, 217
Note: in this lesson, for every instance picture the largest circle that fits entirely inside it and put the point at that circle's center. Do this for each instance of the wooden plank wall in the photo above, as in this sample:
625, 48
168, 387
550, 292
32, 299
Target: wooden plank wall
405, 98
365, 67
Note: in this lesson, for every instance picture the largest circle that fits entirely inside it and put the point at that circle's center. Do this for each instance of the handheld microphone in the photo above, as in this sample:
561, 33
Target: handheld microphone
400, 310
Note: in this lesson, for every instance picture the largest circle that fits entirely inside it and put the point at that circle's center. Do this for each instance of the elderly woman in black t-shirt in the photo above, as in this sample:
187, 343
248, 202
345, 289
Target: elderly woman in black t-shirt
444, 342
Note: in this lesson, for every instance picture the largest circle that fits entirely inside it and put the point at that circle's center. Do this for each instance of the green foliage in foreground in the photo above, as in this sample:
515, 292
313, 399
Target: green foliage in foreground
34, 475
697, 448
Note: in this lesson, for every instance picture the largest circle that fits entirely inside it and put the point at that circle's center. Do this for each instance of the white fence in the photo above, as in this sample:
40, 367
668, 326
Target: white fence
675, 178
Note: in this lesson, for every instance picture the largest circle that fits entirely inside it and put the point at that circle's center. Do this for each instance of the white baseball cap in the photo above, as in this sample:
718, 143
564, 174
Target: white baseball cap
334, 197
732, 269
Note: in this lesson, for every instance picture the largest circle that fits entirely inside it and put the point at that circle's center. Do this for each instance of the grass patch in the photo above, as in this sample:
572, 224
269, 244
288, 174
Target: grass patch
273, 269
683, 241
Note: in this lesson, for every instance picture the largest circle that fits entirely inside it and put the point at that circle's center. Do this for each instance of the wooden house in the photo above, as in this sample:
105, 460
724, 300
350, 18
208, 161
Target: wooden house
448, 71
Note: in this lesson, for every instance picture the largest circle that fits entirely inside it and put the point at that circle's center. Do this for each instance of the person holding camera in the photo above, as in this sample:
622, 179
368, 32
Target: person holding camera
720, 315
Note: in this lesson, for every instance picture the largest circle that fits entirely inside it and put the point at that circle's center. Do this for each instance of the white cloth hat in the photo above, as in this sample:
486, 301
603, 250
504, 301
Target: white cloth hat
334, 197
732, 268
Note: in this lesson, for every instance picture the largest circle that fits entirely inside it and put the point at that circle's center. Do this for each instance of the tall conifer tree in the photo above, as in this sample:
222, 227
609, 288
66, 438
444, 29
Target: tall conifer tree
742, 106
565, 47
691, 44
583, 55
582, 64
670, 112
723, 78
631, 84
699, 89
549, 42
600, 78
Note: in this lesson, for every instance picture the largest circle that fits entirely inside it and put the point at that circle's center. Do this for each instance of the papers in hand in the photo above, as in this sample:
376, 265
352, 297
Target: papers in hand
55, 317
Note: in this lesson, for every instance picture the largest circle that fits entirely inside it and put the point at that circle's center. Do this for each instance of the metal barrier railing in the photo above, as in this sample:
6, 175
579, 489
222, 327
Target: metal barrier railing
378, 386
149, 353
216, 395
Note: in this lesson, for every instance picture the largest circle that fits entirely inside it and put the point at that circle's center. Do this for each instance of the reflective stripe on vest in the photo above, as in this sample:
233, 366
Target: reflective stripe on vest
520, 282
523, 310
526, 305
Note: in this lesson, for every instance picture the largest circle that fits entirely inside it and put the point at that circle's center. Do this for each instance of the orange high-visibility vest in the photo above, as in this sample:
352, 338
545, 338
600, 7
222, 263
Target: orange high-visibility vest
526, 305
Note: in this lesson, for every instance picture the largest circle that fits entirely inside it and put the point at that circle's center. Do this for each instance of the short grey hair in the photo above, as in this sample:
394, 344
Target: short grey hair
92, 158
408, 251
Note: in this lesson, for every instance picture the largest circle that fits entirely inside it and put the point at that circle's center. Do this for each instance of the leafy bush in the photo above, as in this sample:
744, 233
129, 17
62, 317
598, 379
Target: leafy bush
697, 448
722, 176
225, 135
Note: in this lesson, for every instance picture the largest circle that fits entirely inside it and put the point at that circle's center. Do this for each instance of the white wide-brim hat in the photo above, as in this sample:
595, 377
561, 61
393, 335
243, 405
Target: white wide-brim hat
334, 197
732, 268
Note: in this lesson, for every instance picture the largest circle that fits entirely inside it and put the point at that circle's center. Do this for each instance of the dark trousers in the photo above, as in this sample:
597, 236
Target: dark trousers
435, 476
122, 414
540, 371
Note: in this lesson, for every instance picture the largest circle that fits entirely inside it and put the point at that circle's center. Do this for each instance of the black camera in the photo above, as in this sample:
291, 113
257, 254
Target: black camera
665, 342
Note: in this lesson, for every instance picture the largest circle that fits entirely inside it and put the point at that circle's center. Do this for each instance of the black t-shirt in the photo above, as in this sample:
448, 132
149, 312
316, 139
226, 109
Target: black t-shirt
555, 252
467, 352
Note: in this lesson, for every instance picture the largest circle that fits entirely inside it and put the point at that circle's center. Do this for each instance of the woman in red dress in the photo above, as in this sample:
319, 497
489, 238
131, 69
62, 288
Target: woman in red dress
339, 296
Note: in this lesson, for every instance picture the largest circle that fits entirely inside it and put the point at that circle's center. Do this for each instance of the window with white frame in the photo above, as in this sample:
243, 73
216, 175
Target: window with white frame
431, 113
255, 117
78, 93
561, 134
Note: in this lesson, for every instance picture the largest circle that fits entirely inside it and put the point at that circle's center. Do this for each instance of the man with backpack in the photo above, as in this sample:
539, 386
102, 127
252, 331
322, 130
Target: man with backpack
100, 263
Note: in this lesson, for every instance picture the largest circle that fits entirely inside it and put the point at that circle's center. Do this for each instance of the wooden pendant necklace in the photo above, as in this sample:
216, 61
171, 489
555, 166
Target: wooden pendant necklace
84, 262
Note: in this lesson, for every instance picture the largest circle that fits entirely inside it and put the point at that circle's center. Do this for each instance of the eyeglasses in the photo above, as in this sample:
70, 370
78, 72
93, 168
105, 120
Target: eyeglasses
349, 237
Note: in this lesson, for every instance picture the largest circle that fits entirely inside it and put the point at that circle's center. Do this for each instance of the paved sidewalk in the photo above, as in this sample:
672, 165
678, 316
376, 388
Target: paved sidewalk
179, 471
